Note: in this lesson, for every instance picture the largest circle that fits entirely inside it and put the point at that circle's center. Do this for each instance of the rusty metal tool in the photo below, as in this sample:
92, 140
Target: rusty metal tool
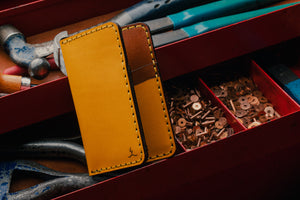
32, 56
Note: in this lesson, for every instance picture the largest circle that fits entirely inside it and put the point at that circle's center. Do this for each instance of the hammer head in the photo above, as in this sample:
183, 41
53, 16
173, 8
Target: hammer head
57, 54
22, 53
7, 31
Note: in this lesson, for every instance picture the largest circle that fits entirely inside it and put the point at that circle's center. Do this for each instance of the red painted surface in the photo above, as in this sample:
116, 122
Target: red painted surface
242, 159
228, 42
36, 104
257, 160
282, 102
296, 70
37, 16
232, 121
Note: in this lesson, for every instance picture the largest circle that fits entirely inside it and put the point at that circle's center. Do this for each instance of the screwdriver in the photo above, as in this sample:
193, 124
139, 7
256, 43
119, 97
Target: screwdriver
164, 38
13, 83
205, 12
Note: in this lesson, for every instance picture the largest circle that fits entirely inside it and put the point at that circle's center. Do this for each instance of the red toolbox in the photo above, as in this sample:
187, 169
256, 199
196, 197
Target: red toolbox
255, 163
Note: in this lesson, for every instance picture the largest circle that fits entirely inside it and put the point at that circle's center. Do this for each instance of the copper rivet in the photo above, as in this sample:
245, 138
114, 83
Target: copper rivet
194, 117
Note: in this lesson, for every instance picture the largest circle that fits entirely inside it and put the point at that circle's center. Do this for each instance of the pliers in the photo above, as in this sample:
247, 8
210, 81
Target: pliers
56, 183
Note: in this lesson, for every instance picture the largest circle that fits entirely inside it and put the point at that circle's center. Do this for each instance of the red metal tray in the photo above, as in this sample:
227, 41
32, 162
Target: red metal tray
260, 159
193, 53
235, 166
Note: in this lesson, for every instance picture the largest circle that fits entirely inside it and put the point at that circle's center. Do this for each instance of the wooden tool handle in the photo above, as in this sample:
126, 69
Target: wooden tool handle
10, 83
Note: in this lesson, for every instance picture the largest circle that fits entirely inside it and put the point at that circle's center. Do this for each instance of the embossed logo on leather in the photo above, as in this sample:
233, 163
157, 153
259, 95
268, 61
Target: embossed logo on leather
131, 153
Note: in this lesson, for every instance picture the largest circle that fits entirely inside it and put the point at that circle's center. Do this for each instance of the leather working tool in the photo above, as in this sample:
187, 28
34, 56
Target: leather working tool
12, 83
57, 183
205, 26
205, 12
32, 56
150, 9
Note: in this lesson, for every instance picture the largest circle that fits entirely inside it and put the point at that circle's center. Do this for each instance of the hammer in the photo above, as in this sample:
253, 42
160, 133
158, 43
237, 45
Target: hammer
13, 83
32, 56
22, 53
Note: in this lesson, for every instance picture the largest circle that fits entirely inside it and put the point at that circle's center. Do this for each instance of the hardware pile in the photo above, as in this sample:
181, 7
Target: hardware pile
195, 121
246, 102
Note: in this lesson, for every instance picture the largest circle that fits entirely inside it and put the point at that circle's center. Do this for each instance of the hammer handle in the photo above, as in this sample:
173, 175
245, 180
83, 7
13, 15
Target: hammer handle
10, 83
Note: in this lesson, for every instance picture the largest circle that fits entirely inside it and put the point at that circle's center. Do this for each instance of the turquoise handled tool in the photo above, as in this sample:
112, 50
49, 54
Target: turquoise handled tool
287, 79
205, 12
32, 56
205, 26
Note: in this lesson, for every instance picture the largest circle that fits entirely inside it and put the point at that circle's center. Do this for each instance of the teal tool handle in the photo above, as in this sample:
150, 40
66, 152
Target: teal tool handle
214, 10
293, 89
150, 9
283, 75
212, 24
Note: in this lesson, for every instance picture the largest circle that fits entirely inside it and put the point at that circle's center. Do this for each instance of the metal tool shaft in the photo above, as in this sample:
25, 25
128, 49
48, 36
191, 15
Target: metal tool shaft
45, 149
205, 12
57, 183
205, 26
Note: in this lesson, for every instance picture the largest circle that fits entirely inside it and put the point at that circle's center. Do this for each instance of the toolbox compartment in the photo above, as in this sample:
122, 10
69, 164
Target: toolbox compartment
262, 158
210, 48
275, 95
283, 57
209, 105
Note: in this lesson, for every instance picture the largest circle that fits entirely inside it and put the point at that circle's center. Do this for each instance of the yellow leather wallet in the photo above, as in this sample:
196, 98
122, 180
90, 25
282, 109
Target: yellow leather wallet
112, 113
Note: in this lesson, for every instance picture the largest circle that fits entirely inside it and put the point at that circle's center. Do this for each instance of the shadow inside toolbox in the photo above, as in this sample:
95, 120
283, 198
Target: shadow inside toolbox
61, 127
275, 176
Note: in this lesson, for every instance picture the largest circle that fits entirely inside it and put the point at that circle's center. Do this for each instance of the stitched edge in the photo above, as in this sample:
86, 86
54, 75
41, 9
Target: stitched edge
159, 87
94, 30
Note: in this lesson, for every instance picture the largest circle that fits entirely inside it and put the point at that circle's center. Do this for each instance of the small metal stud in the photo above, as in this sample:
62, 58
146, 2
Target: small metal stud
197, 106
181, 122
